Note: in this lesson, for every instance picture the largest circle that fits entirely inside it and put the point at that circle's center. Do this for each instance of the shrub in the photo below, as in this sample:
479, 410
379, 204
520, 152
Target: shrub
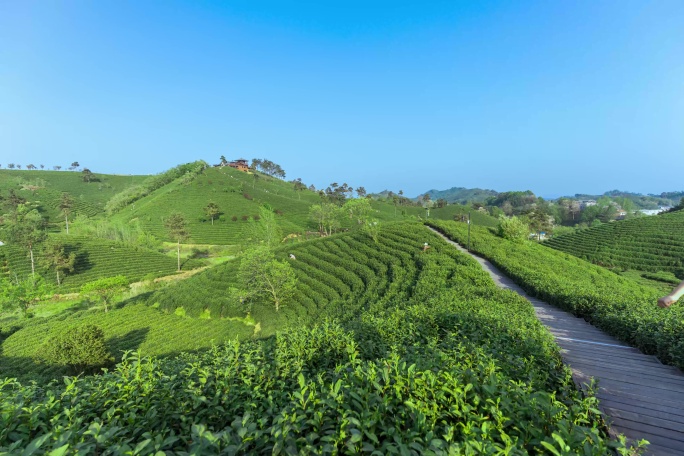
245, 217
247, 196
256, 217
513, 229
234, 218
80, 349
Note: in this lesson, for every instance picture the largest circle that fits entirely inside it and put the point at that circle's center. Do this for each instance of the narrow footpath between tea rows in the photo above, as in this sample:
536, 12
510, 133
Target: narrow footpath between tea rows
641, 397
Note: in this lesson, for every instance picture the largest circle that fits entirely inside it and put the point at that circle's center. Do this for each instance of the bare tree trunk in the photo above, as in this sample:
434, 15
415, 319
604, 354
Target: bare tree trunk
66, 217
58, 283
178, 252
33, 268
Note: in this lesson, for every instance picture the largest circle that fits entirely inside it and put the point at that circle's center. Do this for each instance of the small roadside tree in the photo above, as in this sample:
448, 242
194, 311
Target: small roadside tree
177, 227
260, 274
212, 210
104, 290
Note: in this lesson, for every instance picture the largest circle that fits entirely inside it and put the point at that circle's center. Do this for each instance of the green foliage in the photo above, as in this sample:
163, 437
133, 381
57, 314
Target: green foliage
133, 327
265, 230
55, 257
260, 274
22, 294
81, 349
212, 211
327, 216
105, 289
97, 258
437, 360
513, 229
621, 307
649, 244
184, 173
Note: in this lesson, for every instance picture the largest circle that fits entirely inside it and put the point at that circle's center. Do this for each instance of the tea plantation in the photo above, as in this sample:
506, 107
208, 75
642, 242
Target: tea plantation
389, 350
650, 244
617, 305
46, 187
97, 258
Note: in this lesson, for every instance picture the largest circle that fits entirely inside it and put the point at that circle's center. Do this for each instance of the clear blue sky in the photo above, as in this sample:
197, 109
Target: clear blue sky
558, 97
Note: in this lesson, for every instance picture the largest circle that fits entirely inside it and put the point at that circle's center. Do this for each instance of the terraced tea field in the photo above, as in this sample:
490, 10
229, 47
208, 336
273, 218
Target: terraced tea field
652, 244
423, 354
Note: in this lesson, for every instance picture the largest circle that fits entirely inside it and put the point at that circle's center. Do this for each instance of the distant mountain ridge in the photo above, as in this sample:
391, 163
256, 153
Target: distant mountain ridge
649, 201
462, 195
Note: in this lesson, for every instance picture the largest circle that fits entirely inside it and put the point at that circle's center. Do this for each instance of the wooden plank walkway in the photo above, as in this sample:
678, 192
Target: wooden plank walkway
641, 397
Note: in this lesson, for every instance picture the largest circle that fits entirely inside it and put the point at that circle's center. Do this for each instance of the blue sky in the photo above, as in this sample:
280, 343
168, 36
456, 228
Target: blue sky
557, 97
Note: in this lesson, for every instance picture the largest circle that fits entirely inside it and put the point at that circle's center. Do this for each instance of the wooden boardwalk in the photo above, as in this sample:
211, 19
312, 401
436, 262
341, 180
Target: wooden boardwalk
641, 397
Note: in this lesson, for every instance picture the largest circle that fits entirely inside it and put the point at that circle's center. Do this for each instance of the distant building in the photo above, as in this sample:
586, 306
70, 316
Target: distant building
586, 203
240, 164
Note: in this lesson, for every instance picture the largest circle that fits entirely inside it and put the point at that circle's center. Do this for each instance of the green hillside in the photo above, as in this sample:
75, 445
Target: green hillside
652, 244
425, 355
462, 195
134, 327
97, 258
46, 187
238, 196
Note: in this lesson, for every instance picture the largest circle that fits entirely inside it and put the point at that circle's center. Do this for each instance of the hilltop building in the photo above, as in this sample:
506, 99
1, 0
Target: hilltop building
240, 164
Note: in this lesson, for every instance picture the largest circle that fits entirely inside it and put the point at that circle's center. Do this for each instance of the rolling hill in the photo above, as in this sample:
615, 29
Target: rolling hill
651, 244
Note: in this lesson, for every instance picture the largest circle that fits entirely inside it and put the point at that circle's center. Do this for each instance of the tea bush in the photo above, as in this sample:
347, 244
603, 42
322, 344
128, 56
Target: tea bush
617, 305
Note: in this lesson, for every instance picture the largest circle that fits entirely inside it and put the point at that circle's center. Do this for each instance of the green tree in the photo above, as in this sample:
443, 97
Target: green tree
66, 203
359, 209
212, 210
224, 162
327, 216
104, 290
55, 257
22, 294
81, 349
513, 229
27, 229
540, 222
299, 186
87, 175
266, 231
260, 274
177, 227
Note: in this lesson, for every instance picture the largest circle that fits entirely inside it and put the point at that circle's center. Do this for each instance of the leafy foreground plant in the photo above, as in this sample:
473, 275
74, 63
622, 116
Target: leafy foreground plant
617, 305
450, 365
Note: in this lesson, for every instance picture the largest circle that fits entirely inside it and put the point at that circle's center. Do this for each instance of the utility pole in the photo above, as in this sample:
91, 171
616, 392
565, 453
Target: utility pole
468, 231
